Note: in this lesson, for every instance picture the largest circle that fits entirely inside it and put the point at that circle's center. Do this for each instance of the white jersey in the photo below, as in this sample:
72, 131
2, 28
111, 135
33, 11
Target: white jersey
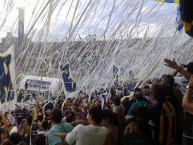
87, 135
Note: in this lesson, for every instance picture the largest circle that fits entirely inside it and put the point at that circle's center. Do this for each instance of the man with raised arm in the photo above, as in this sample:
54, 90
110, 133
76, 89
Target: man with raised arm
186, 71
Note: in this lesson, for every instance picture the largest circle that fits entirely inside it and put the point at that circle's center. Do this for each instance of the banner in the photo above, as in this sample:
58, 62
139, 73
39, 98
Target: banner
7, 80
68, 83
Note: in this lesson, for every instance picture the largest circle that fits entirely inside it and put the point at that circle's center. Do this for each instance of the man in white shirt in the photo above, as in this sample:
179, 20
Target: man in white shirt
92, 134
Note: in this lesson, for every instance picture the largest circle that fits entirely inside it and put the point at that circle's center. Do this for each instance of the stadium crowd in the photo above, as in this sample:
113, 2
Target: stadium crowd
158, 113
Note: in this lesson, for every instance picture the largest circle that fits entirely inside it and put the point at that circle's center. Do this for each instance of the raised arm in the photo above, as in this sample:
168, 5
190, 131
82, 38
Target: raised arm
187, 102
178, 69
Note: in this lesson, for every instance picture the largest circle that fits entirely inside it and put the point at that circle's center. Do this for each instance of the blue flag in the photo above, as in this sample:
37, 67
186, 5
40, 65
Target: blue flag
69, 84
7, 78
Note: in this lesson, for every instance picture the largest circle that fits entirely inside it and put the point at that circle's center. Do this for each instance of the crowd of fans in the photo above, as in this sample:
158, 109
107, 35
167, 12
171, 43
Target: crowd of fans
158, 113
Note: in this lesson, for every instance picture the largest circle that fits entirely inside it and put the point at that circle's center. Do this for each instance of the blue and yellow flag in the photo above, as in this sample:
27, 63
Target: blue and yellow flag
169, 1
7, 79
69, 84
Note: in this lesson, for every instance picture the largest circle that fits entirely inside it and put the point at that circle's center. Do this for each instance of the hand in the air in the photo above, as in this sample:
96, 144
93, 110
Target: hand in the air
171, 64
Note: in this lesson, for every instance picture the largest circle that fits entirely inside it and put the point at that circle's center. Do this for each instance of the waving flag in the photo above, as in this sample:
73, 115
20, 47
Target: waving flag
7, 79
168, 1
69, 84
